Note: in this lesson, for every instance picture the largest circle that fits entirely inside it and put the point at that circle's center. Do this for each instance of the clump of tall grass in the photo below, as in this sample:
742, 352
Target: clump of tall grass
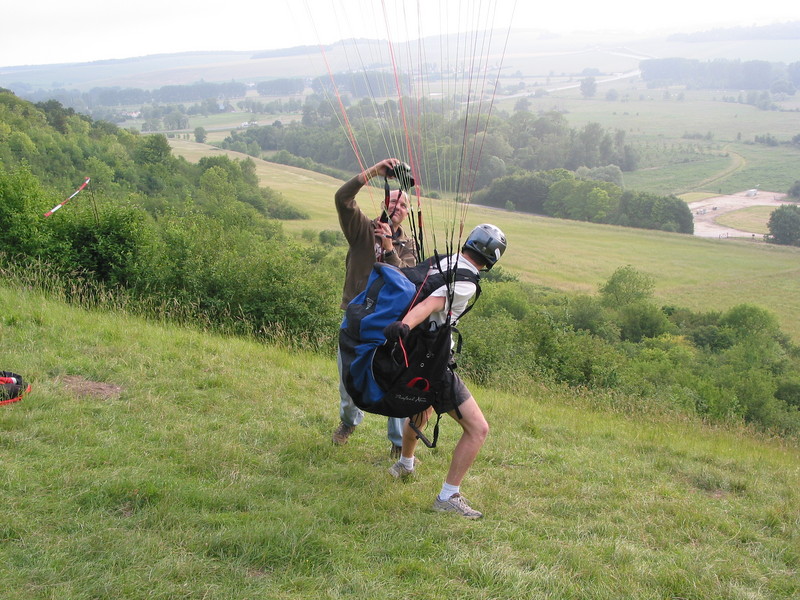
82, 290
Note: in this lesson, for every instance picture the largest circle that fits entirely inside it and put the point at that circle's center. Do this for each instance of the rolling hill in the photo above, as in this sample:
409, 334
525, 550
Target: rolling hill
698, 273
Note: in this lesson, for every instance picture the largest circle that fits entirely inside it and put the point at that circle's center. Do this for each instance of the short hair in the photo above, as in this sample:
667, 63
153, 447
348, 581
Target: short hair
476, 256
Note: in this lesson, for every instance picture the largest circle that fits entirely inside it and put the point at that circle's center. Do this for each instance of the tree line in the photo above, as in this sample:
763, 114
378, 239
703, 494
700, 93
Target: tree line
110, 97
590, 195
520, 141
722, 74
524, 156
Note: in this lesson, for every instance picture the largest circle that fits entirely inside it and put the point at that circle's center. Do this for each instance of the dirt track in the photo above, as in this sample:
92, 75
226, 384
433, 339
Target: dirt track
706, 211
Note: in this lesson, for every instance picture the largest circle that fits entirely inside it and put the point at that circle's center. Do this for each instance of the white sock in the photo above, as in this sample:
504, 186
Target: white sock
408, 463
448, 491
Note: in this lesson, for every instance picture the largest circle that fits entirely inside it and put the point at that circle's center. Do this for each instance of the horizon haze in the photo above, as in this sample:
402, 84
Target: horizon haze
53, 33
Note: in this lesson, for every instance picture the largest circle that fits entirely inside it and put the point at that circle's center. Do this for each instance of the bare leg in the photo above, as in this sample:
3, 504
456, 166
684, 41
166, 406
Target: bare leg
474, 435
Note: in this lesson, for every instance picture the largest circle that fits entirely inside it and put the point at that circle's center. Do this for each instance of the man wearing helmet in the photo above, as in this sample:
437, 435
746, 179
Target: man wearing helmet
370, 241
483, 248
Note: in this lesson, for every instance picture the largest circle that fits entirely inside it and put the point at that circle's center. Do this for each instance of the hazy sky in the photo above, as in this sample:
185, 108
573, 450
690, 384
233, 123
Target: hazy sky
84, 30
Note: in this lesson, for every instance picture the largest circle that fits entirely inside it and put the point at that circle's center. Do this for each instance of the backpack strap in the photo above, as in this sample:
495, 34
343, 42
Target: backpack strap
467, 275
421, 436
427, 281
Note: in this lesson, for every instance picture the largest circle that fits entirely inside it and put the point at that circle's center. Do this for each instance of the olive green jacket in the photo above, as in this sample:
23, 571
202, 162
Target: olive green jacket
358, 229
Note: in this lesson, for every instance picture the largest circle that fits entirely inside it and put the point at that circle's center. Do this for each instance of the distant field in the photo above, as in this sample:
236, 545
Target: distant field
697, 143
701, 274
688, 140
752, 219
219, 126
673, 178
659, 114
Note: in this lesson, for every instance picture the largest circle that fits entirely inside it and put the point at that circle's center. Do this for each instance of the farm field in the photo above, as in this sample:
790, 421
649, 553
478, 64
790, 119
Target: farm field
748, 219
701, 274
696, 144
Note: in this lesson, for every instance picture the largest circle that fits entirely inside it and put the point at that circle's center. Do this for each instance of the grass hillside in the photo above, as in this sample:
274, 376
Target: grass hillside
700, 274
152, 461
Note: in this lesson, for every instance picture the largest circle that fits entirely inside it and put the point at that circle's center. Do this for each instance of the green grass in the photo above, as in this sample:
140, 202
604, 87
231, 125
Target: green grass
673, 178
752, 219
771, 168
211, 475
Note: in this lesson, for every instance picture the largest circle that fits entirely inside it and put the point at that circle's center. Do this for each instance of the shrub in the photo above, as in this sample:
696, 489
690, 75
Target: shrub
22, 203
332, 237
625, 286
111, 245
747, 320
587, 313
641, 320
789, 392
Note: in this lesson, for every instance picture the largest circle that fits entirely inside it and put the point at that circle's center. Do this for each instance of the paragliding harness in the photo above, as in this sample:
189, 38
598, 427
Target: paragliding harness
404, 377
12, 387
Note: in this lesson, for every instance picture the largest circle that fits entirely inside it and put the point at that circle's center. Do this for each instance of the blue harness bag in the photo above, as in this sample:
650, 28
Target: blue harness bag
403, 378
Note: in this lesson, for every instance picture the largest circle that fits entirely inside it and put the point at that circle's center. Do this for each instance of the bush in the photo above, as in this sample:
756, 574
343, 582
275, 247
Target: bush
641, 320
788, 391
267, 285
112, 246
588, 314
332, 237
22, 204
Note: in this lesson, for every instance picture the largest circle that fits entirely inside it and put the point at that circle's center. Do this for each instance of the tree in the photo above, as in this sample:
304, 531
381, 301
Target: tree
794, 191
153, 149
200, 135
626, 286
522, 105
784, 225
747, 321
176, 120
588, 87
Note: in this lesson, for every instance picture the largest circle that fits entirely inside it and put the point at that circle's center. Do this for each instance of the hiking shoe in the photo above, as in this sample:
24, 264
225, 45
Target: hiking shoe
398, 471
342, 432
457, 504
395, 451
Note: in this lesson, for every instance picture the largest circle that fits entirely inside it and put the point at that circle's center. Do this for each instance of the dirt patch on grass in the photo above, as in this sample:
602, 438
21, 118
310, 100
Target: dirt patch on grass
80, 386
706, 211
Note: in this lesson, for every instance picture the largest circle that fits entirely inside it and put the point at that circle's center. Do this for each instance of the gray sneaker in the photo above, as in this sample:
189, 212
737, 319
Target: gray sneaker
457, 504
398, 471
341, 433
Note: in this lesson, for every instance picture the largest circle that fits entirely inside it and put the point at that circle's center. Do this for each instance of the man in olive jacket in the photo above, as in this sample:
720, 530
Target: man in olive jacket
370, 241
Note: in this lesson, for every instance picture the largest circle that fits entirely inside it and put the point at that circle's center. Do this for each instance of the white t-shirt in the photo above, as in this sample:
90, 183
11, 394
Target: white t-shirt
463, 291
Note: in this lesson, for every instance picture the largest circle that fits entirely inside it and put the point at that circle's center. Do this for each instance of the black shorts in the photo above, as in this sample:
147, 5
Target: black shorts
454, 395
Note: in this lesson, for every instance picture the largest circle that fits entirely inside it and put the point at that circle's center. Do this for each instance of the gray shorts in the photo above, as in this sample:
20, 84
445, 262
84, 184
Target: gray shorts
455, 394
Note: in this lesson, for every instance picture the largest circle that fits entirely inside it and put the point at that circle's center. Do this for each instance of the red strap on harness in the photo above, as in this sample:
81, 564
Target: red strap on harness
420, 383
